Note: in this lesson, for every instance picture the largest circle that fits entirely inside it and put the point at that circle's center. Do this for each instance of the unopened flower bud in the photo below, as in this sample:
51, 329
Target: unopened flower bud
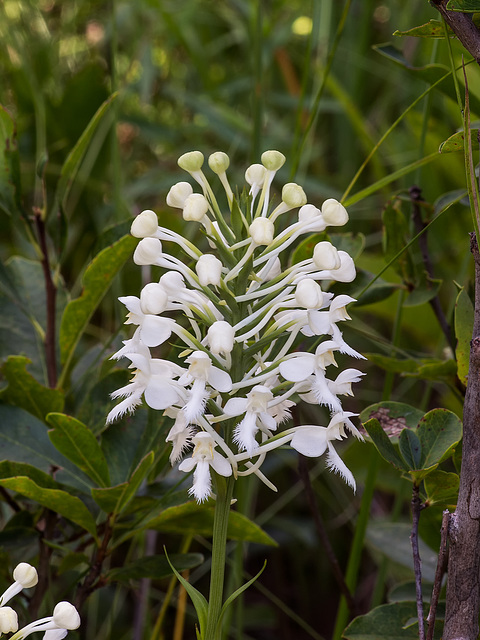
172, 282
65, 616
325, 256
195, 208
262, 231
218, 162
334, 213
8, 620
293, 195
221, 337
191, 161
308, 213
153, 298
308, 294
209, 270
346, 271
273, 160
255, 174
145, 224
178, 194
148, 251
26, 575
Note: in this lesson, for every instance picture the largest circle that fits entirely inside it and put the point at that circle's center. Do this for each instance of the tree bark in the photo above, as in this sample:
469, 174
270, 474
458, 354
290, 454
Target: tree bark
462, 26
463, 587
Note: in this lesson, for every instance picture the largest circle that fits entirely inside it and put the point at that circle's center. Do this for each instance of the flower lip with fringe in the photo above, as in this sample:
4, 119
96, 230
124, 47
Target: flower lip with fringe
244, 310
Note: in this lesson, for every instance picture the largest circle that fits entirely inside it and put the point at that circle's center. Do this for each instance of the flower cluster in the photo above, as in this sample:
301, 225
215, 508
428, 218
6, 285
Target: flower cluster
244, 315
64, 619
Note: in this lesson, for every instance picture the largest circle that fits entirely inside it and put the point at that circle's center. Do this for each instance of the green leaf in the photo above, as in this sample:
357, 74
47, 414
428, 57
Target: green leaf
235, 595
72, 163
10, 189
25, 392
380, 290
439, 432
352, 243
395, 237
199, 601
426, 289
77, 443
155, 567
456, 142
436, 370
393, 416
441, 488
464, 313
383, 444
386, 622
70, 507
465, 6
395, 365
10, 469
115, 499
96, 280
410, 448
432, 29
198, 519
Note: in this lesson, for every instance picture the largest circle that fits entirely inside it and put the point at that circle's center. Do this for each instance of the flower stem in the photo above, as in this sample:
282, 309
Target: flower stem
224, 488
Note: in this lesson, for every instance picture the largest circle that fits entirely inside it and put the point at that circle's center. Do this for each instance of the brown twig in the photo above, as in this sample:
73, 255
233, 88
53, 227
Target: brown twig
463, 585
92, 581
416, 198
417, 563
462, 26
322, 534
439, 573
49, 522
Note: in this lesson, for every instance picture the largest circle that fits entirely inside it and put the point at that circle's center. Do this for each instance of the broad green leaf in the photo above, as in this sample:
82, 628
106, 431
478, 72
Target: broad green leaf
393, 416
424, 290
465, 6
115, 499
96, 280
395, 365
72, 561
463, 332
380, 290
383, 444
432, 29
199, 601
70, 507
198, 519
456, 142
77, 443
393, 540
439, 432
441, 488
386, 622
410, 448
25, 392
23, 438
155, 567
10, 189
72, 163
10, 469
436, 370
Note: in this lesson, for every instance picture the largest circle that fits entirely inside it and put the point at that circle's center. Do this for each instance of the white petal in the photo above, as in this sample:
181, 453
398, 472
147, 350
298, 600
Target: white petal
221, 465
160, 394
133, 304
154, 330
236, 406
187, 465
337, 465
202, 482
310, 441
319, 322
299, 368
219, 380
244, 434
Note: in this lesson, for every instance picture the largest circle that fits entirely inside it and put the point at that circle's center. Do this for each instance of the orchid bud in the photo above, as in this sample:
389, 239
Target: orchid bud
172, 282
221, 337
293, 195
191, 161
153, 298
262, 231
8, 620
219, 162
178, 194
325, 256
334, 213
346, 271
273, 160
308, 213
195, 207
148, 251
65, 616
26, 575
308, 294
255, 174
209, 270
145, 224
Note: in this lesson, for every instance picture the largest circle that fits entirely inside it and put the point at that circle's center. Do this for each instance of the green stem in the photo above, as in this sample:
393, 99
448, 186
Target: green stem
217, 573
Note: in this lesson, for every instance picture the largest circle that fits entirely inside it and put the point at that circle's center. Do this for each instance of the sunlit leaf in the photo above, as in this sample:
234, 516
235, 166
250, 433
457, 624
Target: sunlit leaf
463, 332
439, 432
432, 29
465, 6
441, 488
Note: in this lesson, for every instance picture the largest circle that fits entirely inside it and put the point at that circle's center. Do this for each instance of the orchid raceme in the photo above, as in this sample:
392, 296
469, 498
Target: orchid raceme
241, 311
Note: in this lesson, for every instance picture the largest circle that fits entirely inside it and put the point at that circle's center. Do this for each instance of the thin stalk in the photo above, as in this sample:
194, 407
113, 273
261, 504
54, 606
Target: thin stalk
417, 563
217, 573
257, 79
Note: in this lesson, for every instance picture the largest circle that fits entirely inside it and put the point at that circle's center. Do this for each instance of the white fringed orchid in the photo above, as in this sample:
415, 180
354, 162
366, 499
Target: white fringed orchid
241, 311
